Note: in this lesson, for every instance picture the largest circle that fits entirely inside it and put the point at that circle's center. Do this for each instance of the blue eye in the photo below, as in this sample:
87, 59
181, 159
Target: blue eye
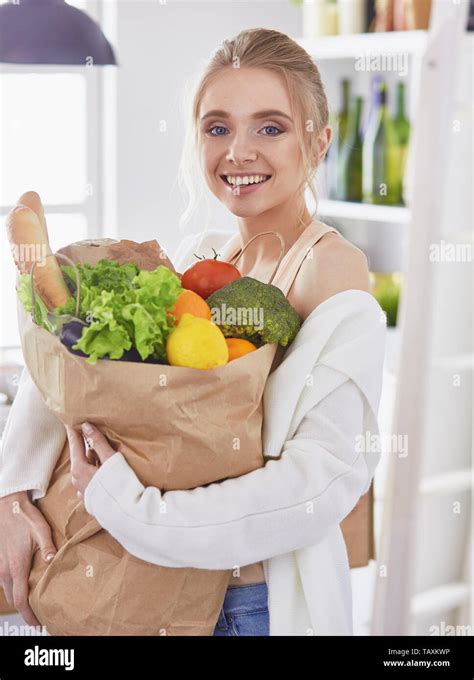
221, 127
275, 128
216, 127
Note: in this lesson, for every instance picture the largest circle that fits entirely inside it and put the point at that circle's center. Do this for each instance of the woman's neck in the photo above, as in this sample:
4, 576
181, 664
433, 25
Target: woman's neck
285, 222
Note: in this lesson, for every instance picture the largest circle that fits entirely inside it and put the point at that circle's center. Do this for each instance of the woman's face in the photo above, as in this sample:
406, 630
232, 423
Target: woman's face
241, 133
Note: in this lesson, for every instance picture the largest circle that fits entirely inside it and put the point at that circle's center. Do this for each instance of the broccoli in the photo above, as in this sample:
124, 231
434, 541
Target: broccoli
255, 311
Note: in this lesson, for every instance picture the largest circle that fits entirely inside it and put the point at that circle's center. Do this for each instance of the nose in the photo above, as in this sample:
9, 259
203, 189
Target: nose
241, 151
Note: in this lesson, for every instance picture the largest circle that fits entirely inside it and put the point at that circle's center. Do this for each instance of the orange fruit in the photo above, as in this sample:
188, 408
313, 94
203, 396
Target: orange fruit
189, 302
238, 347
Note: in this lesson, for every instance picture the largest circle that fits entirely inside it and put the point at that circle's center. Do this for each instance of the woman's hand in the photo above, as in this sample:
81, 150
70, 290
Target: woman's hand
85, 461
23, 530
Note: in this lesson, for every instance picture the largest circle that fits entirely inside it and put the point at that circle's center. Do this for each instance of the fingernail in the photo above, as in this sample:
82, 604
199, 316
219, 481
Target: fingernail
87, 428
49, 557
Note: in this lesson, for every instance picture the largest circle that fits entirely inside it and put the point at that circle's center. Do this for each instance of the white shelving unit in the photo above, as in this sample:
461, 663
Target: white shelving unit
353, 46
364, 212
369, 226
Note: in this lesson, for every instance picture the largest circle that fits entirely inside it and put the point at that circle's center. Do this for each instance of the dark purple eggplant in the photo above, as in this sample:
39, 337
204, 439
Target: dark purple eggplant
133, 355
130, 355
70, 334
71, 286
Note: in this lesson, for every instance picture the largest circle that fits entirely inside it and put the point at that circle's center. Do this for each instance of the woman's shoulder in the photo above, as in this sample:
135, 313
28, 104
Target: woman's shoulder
331, 266
333, 249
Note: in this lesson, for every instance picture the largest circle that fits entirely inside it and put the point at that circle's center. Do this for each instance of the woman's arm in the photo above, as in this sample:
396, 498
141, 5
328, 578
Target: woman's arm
288, 504
32, 442
32, 439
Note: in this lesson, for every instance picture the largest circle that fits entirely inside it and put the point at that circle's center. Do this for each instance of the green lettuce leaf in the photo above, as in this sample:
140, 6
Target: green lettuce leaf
41, 311
124, 306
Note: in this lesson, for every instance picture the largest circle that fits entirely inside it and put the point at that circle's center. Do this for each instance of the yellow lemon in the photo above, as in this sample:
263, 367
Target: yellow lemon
196, 343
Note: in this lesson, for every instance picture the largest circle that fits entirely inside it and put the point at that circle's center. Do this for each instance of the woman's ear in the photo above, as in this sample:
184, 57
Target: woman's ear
324, 141
322, 145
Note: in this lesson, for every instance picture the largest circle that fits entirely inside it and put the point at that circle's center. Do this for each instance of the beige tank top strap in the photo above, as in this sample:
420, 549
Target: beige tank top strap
294, 258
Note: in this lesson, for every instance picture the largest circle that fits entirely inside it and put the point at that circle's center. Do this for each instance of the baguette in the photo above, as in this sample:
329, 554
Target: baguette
29, 243
32, 200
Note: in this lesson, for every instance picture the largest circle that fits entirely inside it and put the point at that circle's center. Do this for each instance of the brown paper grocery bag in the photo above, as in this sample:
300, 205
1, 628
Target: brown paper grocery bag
178, 428
93, 586
358, 531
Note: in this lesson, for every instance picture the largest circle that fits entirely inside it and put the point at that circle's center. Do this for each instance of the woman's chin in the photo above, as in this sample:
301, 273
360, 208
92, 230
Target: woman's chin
243, 208
242, 212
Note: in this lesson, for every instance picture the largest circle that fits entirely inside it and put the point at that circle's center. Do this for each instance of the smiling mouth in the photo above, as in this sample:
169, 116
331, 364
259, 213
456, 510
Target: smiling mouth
250, 184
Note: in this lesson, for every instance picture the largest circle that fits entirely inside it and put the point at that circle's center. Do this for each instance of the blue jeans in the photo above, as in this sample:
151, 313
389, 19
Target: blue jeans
244, 612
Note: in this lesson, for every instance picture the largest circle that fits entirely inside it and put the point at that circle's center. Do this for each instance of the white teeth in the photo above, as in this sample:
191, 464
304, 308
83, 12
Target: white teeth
248, 179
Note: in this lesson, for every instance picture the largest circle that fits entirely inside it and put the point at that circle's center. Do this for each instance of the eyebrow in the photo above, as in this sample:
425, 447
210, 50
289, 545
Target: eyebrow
255, 116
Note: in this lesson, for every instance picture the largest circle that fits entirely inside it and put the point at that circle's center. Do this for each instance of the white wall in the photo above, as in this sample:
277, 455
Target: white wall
159, 46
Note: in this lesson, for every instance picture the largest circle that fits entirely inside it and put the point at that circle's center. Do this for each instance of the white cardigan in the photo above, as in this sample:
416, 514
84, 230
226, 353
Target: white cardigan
288, 512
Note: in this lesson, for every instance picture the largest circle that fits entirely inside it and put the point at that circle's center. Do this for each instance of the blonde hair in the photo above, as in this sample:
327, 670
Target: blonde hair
259, 48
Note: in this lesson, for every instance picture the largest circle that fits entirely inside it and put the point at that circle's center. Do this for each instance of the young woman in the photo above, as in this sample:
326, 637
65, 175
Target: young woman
259, 131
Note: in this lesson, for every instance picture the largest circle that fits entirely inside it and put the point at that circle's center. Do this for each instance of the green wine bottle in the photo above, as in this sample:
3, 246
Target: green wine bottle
339, 137
402, 130
343, 117
381, 178
349, 182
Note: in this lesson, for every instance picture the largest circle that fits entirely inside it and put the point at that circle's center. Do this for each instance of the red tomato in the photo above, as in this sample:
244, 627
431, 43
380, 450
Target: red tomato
209, 275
